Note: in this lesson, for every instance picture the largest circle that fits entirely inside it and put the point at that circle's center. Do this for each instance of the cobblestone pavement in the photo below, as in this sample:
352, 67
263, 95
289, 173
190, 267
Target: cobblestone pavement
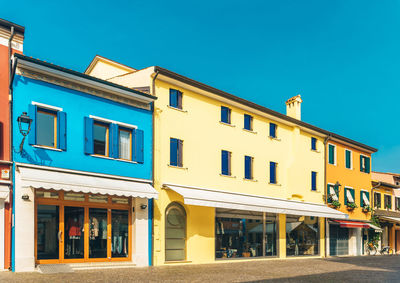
348, 269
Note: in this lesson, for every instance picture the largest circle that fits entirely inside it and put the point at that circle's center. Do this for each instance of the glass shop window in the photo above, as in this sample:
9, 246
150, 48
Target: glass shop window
302, 235
100, 139
119, 233
46, 128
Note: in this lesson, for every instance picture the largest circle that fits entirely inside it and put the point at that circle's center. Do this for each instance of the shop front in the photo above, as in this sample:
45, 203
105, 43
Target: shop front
245, 226
4, 199
69, 217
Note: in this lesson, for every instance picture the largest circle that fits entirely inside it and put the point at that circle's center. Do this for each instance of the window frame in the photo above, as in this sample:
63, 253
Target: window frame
351, 159
248, 157
376, 194
352, 192
250, 122
229, 113
129, 131
314, 141
179, 153
385, 197
397, 203
364, 169
275, 136
336, 189
275, 173
314, 177
49, 112
181, 209
334, 154
179, 96
229, 161
107, 126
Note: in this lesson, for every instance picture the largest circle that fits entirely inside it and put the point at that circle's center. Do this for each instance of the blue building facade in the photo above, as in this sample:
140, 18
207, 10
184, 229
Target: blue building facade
83, 173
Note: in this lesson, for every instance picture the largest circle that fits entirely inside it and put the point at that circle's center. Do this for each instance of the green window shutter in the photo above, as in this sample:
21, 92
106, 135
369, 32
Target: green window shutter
348, 159
336, 188
345, 196
331, 154
367, 165
361, 199
353, 195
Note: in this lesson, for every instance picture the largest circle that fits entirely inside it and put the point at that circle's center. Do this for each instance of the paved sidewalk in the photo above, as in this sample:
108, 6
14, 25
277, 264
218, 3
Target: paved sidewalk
349, 269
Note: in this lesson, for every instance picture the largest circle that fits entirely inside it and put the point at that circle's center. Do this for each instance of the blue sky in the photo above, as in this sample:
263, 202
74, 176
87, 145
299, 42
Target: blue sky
343, 57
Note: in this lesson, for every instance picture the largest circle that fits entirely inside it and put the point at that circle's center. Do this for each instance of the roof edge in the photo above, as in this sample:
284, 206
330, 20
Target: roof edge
8, 24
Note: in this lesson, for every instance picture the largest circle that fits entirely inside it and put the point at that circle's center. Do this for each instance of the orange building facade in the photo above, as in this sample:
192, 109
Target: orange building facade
16, 42
348, 189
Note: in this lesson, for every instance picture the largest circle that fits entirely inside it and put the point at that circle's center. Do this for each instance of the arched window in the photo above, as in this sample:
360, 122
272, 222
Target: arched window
175, 233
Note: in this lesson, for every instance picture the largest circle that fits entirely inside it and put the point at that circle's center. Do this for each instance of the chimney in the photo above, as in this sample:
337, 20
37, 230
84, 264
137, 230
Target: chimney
293, 107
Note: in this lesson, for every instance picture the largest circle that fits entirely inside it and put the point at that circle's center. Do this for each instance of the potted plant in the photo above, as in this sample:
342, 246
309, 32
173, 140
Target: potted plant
366, 209
388, 206
351, 205
335, 204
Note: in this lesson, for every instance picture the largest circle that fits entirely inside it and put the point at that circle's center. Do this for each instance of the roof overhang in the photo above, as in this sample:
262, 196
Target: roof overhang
231, 200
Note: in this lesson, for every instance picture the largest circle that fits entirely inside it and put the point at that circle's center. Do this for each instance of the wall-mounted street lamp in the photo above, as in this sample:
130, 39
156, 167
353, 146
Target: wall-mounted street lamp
24, 125
338, 185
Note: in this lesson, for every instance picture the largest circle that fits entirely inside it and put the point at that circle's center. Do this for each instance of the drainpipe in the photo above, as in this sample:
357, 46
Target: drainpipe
326, 190
11, 205
151, 213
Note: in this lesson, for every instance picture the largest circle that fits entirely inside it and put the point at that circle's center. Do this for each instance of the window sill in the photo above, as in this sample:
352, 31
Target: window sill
274, 138
226, 124
275, 184
47, 147
228, 176
110, 158
316, 151
249, 131
177, 261
177, 167
177, 109
251, 180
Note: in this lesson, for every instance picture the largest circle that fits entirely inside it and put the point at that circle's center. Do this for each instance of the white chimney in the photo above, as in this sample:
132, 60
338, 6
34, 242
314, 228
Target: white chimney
293, 107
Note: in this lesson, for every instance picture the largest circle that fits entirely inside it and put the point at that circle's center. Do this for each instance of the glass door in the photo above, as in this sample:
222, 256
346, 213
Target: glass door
74, 232
48, 233
98, 233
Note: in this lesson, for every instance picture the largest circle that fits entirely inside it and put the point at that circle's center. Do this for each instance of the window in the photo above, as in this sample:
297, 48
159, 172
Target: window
175, 98
100, 139
333, 193
348, 158
397, 202
272, 172
248, 122
313, 181
364, 199
313, 144
388, 202
332, 154
125, 144
302, 235
175, 233
248, 167
225, 115
272, 130
349, 196
226, 163
109, 139
365, 163
48, 128
377, 200
176, 146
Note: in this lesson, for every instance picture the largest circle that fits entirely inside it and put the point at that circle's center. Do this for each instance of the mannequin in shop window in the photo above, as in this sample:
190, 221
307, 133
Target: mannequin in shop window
74, 228
119, 247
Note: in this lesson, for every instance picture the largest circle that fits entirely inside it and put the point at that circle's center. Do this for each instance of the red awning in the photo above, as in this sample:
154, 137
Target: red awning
352, 224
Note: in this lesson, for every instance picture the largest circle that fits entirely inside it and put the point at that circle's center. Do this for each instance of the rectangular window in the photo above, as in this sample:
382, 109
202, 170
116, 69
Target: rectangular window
333, 193
388, 202
226, 163
176, 147
248, 122
272, 172
364, 199
348, 155
365, 163
377, 200
349, 196
302, 235
48, 128
332, 154
248, 167
225, 115
313, 181
272, 130
313, 144
175, 98
100, 138
125, 144
397, 202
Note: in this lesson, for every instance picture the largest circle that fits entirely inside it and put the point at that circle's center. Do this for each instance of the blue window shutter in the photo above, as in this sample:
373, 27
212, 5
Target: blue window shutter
139, 146
272, 130
88, 135
62, 130
179, 99
314, 181
180, 153
114, 141
173, 100
32, 134
173, 151
272, 172
224, 162
313, 143
247, 122
247, 167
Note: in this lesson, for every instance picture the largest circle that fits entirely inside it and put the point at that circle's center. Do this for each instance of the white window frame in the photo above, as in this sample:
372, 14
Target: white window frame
351, 159
104, 120
334, 155
369, 200
370, 165
46, 106
333, 187
345, 195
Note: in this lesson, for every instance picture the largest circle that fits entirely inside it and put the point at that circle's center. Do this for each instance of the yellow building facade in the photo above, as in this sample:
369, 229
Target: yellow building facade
348, 176
235, 179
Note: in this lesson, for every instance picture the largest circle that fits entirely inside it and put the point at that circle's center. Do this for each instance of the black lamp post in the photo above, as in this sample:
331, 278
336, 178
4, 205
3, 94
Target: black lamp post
24, 125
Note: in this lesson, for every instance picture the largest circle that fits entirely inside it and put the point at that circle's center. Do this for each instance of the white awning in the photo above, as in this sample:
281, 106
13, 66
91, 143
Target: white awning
333, 194
4, 192
231, 200
392, 219
77, 181
365, 199
349, 196
376, 228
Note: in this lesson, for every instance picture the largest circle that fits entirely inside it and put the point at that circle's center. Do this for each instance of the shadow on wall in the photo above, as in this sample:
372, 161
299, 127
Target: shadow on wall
40, 157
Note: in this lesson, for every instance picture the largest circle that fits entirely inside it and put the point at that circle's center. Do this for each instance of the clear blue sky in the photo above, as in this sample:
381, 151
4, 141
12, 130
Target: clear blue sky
342, 56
